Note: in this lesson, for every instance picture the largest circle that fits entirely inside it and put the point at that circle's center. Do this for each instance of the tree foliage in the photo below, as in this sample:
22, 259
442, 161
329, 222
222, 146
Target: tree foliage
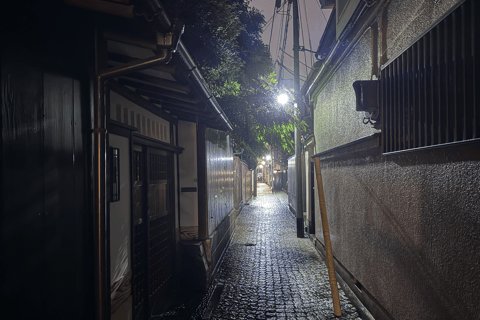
224, 37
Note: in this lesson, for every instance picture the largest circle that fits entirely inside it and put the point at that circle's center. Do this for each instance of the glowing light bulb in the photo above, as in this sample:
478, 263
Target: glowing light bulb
282, 98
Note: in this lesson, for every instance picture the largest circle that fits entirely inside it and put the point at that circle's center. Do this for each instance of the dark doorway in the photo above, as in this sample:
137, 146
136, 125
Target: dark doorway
153, 229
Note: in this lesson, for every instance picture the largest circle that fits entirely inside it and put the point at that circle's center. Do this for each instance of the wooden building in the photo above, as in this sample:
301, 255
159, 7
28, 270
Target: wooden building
114, 161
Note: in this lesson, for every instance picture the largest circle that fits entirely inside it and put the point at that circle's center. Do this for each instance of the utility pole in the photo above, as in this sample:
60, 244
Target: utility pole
298, 101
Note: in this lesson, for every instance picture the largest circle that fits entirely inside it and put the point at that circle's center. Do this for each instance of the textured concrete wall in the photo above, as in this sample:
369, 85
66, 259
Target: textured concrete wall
336, 120
409, 19
407, 227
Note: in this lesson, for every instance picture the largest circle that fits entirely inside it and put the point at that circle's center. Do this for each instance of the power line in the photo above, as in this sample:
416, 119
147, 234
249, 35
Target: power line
291, 71
271, 30
308, 30
280, 31
303, 39
284, 44
299, 61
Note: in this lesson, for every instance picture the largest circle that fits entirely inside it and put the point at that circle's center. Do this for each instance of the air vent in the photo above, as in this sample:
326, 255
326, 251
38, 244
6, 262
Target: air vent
429, 92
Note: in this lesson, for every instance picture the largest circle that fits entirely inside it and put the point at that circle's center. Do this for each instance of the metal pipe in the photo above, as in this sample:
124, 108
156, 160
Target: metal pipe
157, 9
203, 85
326, 67
100, 169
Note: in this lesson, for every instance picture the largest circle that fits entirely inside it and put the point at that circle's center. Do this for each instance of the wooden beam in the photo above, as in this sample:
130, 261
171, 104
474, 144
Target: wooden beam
139, 100
167, 84
179, 112
120, 58
328, 244
159, 91
163, 100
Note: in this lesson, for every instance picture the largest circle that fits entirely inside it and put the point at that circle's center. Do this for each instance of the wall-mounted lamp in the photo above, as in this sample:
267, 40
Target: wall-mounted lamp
366, 93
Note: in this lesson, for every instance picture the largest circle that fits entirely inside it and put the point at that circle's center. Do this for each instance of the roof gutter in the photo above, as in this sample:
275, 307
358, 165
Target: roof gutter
157, 11
331, 63
156, 14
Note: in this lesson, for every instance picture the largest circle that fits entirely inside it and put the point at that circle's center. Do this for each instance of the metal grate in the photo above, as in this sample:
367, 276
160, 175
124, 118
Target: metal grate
158, 167
429, 92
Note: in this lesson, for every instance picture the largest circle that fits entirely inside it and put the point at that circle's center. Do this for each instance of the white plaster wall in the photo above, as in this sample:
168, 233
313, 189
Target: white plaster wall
141, 118
120, 215
187, 139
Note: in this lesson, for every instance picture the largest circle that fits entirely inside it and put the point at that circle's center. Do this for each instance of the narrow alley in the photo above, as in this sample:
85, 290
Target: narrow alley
267, 272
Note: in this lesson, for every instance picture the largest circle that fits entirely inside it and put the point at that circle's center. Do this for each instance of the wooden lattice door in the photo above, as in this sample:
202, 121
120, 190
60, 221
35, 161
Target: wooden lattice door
153, 234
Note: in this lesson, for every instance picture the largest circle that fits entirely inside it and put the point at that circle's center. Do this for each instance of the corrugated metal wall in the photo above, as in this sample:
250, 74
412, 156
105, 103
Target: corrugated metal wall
242, 183
247, 182
219, 177
237, 184
292, 200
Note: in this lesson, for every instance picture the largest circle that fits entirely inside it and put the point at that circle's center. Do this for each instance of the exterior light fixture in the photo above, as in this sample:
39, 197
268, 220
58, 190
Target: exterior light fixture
282, 98
268, 158
367, 98
261, 166
263, 162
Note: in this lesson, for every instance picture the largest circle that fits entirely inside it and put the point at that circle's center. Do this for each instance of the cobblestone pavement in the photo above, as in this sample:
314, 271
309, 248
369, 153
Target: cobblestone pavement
268, 273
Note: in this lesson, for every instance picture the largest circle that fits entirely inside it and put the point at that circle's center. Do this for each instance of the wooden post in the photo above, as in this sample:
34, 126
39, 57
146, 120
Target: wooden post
328, 245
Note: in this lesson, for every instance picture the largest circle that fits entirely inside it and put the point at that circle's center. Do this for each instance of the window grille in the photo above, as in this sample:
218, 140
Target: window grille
137, 165
115, 175
158, 167
429, 92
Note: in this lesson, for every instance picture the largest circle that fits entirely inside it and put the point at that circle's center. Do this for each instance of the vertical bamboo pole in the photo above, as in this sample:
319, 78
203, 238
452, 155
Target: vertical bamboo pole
328, 245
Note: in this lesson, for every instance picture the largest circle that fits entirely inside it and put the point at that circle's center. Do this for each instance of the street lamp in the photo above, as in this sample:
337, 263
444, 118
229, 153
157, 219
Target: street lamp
282, 98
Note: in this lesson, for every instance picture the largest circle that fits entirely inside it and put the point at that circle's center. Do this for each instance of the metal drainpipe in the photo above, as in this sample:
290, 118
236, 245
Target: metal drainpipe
100, 168
158, 11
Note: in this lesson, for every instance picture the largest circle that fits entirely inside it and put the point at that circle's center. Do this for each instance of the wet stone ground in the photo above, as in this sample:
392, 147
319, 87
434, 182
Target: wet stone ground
269, 273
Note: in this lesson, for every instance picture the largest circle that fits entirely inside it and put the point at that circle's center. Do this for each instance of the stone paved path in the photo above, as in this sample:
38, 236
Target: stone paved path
268, 273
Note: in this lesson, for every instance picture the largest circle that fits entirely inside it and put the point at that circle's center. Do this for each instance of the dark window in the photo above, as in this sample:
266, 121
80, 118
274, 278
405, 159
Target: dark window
158, 167
429, 92
115, 175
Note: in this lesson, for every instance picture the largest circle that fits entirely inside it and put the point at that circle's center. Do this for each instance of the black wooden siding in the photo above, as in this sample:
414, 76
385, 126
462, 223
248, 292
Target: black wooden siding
46, 267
